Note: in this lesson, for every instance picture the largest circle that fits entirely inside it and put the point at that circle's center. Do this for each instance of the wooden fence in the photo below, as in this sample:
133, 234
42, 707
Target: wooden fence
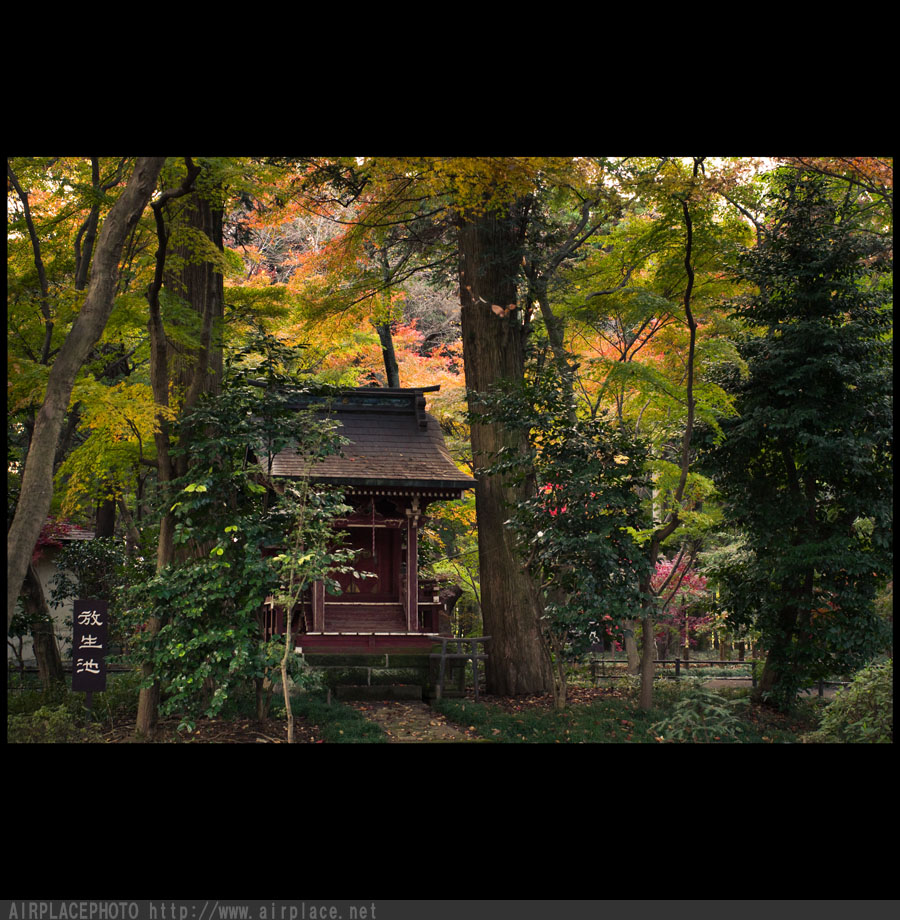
473, 655
599, 666
599, 669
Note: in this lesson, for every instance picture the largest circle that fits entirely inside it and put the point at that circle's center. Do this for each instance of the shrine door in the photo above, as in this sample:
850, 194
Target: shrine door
379, 559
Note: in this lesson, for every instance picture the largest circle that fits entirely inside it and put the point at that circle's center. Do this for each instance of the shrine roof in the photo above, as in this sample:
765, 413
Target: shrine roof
393, 442
63, 530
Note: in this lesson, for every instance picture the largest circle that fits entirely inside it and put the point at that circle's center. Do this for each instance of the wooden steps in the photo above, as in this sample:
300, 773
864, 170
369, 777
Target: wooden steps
364, 618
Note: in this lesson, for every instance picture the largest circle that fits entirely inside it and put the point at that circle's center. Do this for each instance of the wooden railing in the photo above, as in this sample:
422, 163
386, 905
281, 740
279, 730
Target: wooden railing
473, 655
598, 666
433, 613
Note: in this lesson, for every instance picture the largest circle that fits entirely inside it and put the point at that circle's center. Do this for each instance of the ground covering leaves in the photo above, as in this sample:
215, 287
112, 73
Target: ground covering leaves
217, 731
604, 715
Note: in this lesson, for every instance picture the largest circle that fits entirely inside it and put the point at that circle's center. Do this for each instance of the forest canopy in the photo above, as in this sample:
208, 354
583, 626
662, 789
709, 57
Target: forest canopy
670, 376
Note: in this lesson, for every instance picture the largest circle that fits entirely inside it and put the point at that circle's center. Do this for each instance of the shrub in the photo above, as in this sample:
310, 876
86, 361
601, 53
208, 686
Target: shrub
629, 685
120, 698
49, 725
668, 691
701, 715
863, 711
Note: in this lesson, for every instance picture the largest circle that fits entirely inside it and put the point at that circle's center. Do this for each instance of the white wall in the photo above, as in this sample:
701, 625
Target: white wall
46, 569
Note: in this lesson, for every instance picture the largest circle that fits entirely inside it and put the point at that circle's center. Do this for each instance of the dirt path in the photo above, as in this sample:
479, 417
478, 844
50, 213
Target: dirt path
720, 684
413, 722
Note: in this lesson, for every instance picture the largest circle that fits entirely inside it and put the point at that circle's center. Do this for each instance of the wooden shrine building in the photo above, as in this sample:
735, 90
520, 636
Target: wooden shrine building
395, 464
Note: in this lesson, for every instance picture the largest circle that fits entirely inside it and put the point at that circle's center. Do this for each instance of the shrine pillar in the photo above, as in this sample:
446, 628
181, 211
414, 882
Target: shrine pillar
318, 606
413, 517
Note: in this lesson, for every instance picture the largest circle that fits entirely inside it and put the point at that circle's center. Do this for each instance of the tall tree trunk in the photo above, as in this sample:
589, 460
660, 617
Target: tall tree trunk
564, 364
662, 533
37, 477
493, 351
631, 648
776, 687
648, 649
43, 636
199, 370
389, 353
105, 518
774, 670
193, 371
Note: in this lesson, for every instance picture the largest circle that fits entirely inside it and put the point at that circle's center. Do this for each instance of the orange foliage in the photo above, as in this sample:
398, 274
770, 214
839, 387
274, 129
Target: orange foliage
876, 174
443, 365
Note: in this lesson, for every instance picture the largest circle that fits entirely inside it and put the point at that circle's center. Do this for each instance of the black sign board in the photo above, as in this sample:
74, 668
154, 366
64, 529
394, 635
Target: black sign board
90, 636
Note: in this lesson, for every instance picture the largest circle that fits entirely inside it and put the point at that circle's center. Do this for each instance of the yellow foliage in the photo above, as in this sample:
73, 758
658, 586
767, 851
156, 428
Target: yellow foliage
119, 422
473, 184
124, 411
26, 382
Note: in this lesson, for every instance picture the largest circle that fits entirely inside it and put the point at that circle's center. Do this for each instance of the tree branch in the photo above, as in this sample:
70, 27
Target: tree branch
38, 262
37, 477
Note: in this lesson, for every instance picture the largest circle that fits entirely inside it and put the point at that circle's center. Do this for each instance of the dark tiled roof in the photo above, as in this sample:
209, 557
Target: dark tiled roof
393, 442
63, 530
78, 533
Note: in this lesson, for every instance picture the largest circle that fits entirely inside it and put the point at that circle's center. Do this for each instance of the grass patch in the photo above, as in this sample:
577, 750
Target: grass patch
604, 722
336, 723
616, 719
38, 716
58, 714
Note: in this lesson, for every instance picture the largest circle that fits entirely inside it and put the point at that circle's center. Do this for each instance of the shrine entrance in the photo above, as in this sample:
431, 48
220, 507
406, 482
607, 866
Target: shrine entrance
377, 561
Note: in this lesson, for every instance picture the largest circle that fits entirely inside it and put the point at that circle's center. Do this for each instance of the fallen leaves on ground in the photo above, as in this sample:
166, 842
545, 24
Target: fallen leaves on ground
217, 731
574, 696
413, 722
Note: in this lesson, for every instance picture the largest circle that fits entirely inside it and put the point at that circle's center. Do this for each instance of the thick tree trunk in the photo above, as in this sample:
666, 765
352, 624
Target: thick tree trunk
105, 518
648, 639
766, 683
43, 637
631, 648
777, 686
201, 286
264, 690
772, 688
493, 351
648, 666
194, 372
37, 477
